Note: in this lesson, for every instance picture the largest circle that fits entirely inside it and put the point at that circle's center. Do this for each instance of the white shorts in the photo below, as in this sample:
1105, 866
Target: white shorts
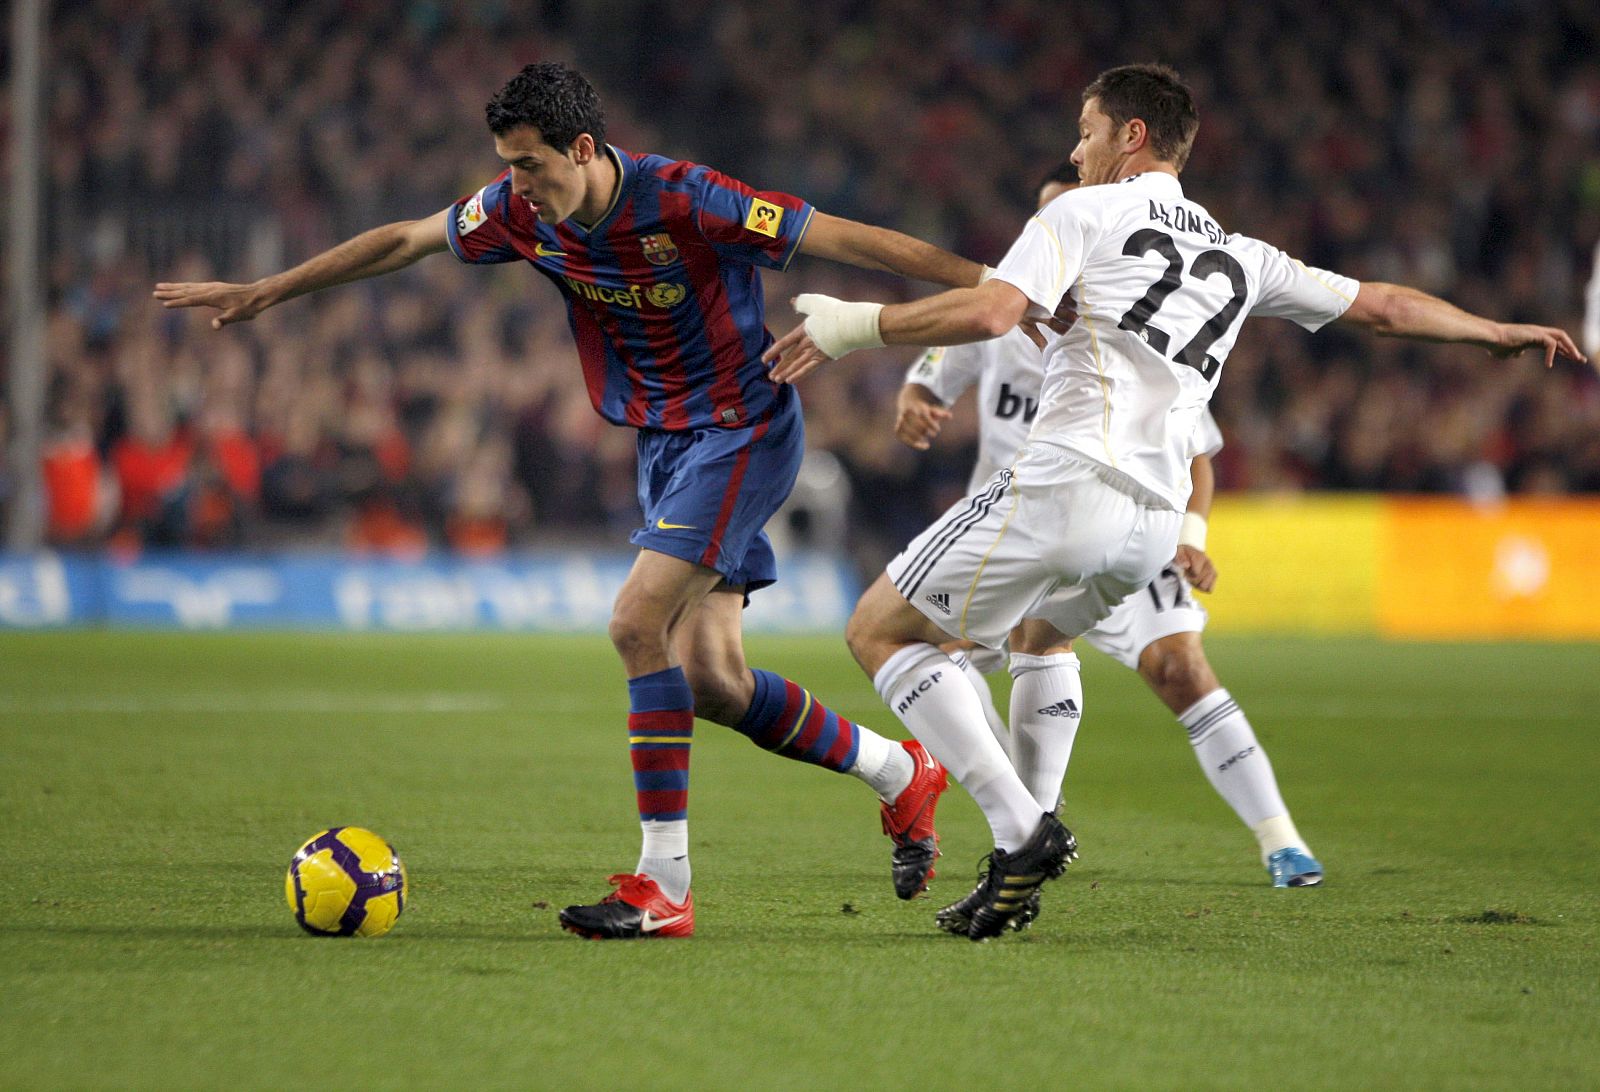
1047, 538
1161, 608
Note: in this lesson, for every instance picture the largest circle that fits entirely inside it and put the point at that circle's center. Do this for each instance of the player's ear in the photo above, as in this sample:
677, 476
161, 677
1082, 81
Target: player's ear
1136, 135
583, 149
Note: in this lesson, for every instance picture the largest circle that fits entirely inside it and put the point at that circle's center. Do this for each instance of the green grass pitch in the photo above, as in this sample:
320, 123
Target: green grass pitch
153, 787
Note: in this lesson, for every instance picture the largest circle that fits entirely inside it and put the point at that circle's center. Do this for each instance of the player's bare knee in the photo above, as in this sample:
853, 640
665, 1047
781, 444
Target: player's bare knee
636, 635
1178, 671
862, 633
859, 638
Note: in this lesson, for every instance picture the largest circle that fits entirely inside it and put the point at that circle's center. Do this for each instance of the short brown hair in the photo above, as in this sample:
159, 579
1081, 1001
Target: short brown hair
1155, 95
552, 99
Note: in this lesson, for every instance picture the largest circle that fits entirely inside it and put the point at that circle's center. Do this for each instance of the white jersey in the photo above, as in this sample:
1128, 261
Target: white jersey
1009, 372
1156, 292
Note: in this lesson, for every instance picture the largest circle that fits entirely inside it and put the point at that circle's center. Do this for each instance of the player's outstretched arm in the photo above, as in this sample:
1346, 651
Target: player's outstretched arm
1397, 311
836, 327
918, 416
381, 250
869, 247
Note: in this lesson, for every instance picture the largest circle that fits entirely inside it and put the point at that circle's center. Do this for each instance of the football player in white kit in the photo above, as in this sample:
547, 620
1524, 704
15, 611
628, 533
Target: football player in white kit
1155, 632
1147, 293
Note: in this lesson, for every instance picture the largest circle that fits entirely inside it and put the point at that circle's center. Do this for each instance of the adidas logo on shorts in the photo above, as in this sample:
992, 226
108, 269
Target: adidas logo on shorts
941, 600
1066, 707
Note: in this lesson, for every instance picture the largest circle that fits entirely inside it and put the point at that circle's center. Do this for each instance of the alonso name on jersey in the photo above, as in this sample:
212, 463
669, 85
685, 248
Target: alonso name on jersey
1155, 292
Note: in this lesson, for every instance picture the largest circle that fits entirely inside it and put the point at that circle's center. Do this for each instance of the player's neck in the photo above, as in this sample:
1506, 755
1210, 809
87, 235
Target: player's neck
603, 179
1144, 164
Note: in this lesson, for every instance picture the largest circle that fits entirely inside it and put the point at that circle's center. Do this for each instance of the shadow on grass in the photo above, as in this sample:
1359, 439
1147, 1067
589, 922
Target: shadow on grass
1112, 882
434, 933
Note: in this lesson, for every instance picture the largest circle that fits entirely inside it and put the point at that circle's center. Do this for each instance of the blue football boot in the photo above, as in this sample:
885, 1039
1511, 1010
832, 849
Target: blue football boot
1294, 867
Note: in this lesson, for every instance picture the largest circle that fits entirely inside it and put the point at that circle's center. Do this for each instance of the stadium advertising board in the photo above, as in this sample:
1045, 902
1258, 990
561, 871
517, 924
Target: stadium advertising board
1393, 567
547, 593
1407, 567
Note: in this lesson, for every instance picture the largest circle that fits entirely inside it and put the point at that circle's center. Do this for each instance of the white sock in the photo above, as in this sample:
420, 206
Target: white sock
1237, 767
882, 763
1277, 832
665, 856
980, 685
934, 700
1046, 707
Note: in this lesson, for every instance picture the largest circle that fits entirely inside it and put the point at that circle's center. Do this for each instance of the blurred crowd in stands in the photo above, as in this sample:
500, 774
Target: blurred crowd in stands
1450, 145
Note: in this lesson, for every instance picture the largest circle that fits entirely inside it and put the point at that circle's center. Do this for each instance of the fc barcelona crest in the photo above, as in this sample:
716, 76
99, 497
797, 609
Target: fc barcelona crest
659, 249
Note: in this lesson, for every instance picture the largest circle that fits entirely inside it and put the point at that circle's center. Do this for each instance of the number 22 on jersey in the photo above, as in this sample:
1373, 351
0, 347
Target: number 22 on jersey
1137, 318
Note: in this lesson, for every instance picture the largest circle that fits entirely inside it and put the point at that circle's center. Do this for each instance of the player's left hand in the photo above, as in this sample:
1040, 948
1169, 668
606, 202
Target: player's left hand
1517, 338
1196, 568
1035, 328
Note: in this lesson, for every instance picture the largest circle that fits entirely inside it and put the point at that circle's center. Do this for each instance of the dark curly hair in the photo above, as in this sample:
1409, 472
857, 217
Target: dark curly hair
1155, 95
552, 98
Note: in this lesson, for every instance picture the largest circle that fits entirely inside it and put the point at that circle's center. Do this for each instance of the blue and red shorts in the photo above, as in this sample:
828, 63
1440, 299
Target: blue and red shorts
707, 493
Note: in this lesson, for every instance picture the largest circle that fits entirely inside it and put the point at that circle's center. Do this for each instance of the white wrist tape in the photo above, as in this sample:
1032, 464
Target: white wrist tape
1193, 532
839, 326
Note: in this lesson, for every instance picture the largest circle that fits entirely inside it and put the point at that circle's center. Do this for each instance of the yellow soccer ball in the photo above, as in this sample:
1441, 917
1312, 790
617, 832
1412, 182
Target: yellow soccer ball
346, 882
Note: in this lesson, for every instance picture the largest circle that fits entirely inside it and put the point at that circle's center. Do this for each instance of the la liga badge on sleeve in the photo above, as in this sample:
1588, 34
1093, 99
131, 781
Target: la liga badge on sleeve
471, 216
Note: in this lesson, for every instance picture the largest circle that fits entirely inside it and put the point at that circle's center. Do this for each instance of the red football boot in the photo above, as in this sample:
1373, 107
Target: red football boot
636, 910
909, 823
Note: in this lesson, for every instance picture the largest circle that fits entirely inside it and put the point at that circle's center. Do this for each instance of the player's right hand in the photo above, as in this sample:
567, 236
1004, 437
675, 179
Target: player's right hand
832, 328
234, 302
918, 416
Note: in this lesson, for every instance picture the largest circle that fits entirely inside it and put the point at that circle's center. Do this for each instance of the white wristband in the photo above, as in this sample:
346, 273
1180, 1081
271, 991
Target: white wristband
1193, 532
838, 326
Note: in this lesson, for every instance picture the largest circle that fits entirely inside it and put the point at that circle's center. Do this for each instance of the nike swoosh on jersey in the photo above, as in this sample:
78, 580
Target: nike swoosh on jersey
665, 526
542, 251
650, 923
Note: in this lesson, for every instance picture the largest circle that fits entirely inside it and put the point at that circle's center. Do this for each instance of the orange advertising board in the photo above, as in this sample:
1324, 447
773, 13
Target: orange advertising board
1523, 568
1419, 567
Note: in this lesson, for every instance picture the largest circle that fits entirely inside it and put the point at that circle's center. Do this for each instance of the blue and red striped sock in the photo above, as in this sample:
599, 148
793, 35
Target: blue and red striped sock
784, 718
660, 730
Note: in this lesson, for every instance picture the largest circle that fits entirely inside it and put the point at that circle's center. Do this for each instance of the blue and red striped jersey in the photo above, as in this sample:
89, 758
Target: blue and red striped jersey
663, 294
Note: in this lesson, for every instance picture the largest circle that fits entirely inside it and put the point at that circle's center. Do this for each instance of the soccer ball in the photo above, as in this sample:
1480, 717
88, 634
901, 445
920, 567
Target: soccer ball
346, 882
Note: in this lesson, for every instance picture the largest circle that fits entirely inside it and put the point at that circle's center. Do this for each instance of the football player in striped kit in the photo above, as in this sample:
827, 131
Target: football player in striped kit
1145, 293
658, 262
